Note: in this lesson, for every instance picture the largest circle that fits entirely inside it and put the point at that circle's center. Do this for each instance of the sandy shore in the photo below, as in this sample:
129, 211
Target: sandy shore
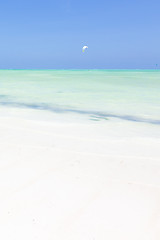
77, 181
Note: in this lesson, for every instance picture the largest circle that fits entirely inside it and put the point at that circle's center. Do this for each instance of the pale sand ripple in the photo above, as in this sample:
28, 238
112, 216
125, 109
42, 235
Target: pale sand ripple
78, 181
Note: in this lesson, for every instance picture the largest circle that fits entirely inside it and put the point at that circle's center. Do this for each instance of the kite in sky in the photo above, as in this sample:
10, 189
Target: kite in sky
84, 48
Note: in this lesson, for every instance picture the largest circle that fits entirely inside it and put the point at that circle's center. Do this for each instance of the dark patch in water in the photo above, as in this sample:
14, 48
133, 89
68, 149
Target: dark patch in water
3, 96
98, 118
94, 119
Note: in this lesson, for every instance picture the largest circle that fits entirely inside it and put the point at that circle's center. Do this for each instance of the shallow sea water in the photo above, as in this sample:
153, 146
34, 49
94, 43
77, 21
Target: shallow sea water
94, 95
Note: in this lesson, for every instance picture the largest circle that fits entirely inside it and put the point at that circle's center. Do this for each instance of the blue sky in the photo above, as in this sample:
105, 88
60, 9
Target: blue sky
50, 34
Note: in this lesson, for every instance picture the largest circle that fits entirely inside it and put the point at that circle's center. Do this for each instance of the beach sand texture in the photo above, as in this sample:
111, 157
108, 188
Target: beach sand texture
75, 172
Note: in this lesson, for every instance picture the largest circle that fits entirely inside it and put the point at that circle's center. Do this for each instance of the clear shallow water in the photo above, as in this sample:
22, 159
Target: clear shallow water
121, 94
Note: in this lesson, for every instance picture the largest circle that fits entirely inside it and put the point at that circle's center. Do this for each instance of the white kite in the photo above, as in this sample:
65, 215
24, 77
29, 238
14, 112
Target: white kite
84, 48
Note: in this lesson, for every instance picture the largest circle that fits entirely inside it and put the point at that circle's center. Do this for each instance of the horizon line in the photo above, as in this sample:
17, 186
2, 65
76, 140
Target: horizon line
76, 69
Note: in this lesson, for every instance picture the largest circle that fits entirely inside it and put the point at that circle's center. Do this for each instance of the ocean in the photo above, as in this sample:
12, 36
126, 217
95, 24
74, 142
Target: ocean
90, 95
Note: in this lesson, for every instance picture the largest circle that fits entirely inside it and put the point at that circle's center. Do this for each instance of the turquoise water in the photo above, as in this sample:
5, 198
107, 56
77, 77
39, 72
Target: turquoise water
132, 95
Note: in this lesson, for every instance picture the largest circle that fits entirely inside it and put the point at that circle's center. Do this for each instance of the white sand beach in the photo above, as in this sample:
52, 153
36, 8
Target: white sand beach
79, 181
